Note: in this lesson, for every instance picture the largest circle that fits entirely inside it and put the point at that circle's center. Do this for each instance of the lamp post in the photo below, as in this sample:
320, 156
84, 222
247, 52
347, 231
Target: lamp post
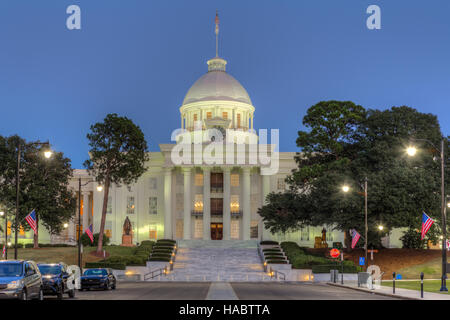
2, 213
346, 189
411, 151
47, 155
99, 188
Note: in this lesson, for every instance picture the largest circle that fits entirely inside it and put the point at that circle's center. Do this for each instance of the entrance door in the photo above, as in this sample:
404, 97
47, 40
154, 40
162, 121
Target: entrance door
216, 231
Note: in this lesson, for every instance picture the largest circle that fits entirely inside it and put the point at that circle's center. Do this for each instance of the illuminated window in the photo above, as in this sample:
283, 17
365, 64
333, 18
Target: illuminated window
238, 120
198, 203
199, 179
208, 115
234, 203
153, 205
152, 232
225, 115
9, 228
195, 117
79, 230
235, 180
21, 230
254, 229
130, 205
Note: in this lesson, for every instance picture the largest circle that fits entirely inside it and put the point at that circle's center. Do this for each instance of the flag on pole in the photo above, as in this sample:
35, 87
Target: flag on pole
89, 232
4, 251
31, 219
355, 238
447, 244
426, 224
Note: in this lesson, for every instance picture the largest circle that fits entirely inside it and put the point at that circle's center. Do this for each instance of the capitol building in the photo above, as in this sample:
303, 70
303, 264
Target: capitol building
192, 189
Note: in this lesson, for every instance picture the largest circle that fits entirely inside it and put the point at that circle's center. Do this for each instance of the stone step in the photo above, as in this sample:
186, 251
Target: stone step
217, 243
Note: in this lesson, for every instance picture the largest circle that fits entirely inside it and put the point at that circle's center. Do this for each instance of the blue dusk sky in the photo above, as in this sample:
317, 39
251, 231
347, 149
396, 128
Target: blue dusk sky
138, 58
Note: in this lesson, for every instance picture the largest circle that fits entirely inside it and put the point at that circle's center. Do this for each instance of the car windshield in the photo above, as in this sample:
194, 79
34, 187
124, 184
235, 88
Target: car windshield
10, 269
49, 269
95, 272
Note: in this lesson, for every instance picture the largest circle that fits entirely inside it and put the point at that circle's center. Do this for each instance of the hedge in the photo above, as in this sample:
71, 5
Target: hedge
269, 242
327, 268
117, 266
166, 240
277, 261
159, 259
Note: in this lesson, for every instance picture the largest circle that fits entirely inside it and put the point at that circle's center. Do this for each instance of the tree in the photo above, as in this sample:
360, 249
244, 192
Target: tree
44, 185
344, 145
118, 154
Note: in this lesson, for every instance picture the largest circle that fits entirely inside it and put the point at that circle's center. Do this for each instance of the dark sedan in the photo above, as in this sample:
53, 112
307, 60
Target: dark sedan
55, 280
101, 278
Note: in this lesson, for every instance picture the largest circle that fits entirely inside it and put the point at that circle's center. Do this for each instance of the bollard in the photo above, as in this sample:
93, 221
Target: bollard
393, 282
421, 285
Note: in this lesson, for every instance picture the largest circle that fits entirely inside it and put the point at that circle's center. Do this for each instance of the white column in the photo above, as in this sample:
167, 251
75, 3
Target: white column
85, 218
226, 204
262, 232
206, 204
187, 204
234, 118
71, 231
246, 204
252, 121
168, 204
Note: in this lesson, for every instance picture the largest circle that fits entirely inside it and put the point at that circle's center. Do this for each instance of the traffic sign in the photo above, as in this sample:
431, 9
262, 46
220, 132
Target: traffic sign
362, 261
334, 253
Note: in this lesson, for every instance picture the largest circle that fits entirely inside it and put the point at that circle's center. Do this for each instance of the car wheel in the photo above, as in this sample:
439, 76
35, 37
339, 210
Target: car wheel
60, 293
24, 295
107, 285
41, 294
114, 286
72, 293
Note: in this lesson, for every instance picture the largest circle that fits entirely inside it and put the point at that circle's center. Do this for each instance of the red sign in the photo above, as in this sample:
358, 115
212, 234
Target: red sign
334, 253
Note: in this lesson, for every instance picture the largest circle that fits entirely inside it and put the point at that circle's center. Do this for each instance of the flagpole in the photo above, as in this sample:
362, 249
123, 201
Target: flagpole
365, 216
444, 222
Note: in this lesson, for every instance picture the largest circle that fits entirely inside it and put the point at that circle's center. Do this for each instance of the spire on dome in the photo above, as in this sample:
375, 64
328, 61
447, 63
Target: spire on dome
217, 32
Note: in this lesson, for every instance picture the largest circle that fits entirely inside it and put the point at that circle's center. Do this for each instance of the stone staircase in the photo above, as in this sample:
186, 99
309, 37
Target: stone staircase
216, 261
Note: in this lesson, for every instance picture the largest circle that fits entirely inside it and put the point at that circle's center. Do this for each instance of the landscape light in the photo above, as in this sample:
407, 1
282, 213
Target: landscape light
380, 228
9, 244
1, 213
345, 188
99, 188
411, 151
66, 225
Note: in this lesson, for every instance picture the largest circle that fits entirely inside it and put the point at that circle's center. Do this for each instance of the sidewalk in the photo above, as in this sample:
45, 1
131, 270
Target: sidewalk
399, 292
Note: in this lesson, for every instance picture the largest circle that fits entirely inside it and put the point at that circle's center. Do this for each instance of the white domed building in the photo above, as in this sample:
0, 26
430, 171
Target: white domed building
192, 189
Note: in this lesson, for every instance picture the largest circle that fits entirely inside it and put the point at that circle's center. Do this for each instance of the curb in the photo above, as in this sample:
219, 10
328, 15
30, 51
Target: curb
374, 292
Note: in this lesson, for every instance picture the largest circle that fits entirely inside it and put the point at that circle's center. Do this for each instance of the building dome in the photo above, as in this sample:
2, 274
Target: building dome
215, 85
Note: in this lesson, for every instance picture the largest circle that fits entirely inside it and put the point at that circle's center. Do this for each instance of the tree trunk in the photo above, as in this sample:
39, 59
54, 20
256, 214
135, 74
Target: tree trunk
102, 223
36, 235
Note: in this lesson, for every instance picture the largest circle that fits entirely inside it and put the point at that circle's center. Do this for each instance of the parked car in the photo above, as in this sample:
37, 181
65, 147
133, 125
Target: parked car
21, 280
98, 278
55, 279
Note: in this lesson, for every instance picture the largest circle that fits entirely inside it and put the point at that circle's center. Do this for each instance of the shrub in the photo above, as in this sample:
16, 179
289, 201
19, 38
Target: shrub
117, 266
326, 268
337, 245
146, 243
166, 241
269, 242
87, 242
159, 259
276, 261
411, 239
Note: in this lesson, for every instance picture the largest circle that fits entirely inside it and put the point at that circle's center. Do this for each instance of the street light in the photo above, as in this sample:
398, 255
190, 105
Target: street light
411, 151
380, 228
66, 225
99, 188
346, 189
47, 154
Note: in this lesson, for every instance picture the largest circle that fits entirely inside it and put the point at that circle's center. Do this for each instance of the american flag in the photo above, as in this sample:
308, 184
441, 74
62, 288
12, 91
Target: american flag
89, 231
426, 224
355, 238
31, 219
4, 251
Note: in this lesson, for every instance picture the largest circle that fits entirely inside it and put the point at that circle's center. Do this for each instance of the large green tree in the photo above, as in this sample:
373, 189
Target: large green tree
44, 185
344, 144
118, 154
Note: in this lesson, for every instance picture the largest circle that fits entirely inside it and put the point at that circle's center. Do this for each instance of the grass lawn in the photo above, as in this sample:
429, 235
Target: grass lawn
428, 285
431, 270
68, 255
